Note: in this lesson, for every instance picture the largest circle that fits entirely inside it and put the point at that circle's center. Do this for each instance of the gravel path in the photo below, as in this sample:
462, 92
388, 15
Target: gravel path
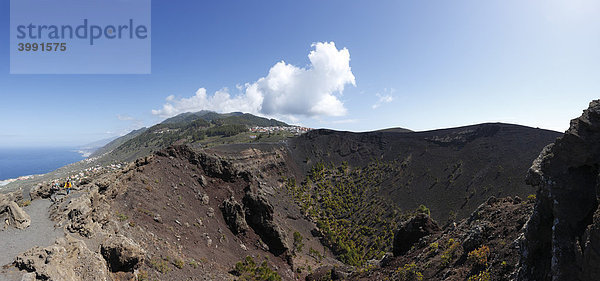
41, 232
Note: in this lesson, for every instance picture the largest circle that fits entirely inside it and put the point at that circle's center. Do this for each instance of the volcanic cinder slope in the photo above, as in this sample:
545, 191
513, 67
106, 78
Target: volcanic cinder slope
187, 211
451, 171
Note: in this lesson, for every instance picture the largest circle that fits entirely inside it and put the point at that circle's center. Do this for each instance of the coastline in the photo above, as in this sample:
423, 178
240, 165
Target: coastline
21, 178
21, 165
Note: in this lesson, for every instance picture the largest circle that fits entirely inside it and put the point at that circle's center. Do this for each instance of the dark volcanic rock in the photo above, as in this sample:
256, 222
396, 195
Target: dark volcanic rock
233, 214
558, 243
443, 255
212, 165
259, 215
122, 254
411, 231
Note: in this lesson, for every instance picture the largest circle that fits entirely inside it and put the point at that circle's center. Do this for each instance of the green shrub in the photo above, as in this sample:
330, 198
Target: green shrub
450, 253
433, 247
161, 266
422, 209
298, 241
248, 270
409, 273
337, 198
452, 216
226, 130
24, 203
178, 263
315, 254
479, 256
481, 276
121, 217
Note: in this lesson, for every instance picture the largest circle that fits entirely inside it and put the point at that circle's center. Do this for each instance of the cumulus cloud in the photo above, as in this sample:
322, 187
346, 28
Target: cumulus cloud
383, 98
287, 90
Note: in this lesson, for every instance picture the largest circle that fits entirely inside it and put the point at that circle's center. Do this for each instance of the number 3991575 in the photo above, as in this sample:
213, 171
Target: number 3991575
42, 47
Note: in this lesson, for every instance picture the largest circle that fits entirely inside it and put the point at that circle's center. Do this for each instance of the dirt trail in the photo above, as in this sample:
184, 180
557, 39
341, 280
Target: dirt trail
41, 232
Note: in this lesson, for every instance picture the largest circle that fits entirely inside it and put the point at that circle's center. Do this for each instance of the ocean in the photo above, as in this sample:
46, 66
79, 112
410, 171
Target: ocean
17, 162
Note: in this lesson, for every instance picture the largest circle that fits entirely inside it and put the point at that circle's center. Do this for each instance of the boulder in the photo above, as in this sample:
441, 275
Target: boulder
202, 196
259, 216
122, 254
40, 191
67, 259
233, 213
202, 180
78, 212
411, 231
13, 214
476, 235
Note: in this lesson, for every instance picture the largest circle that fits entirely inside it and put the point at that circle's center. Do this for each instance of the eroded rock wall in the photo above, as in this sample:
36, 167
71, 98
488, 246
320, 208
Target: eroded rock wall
562, 235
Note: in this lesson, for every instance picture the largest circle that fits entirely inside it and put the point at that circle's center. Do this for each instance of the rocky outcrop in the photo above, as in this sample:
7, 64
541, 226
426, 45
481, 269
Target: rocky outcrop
41, 190
591, 255
495, 225
10, 212
87, 214
67, 259
562, 238
122, 254
259, 215
213, 165
411, 231
15, 196
16, 216
233, 213
79, 214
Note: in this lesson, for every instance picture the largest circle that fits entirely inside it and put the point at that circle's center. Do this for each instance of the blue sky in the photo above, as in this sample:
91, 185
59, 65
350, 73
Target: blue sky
433, 64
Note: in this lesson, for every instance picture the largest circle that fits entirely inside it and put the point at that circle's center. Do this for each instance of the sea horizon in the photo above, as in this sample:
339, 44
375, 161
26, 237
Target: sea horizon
19, 162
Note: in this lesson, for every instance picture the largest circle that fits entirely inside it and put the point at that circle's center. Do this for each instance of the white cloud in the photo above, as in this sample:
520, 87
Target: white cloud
383, 98
287, 90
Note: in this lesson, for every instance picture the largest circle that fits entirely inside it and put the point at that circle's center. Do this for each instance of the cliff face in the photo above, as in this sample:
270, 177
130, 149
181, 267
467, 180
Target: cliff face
562, 238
